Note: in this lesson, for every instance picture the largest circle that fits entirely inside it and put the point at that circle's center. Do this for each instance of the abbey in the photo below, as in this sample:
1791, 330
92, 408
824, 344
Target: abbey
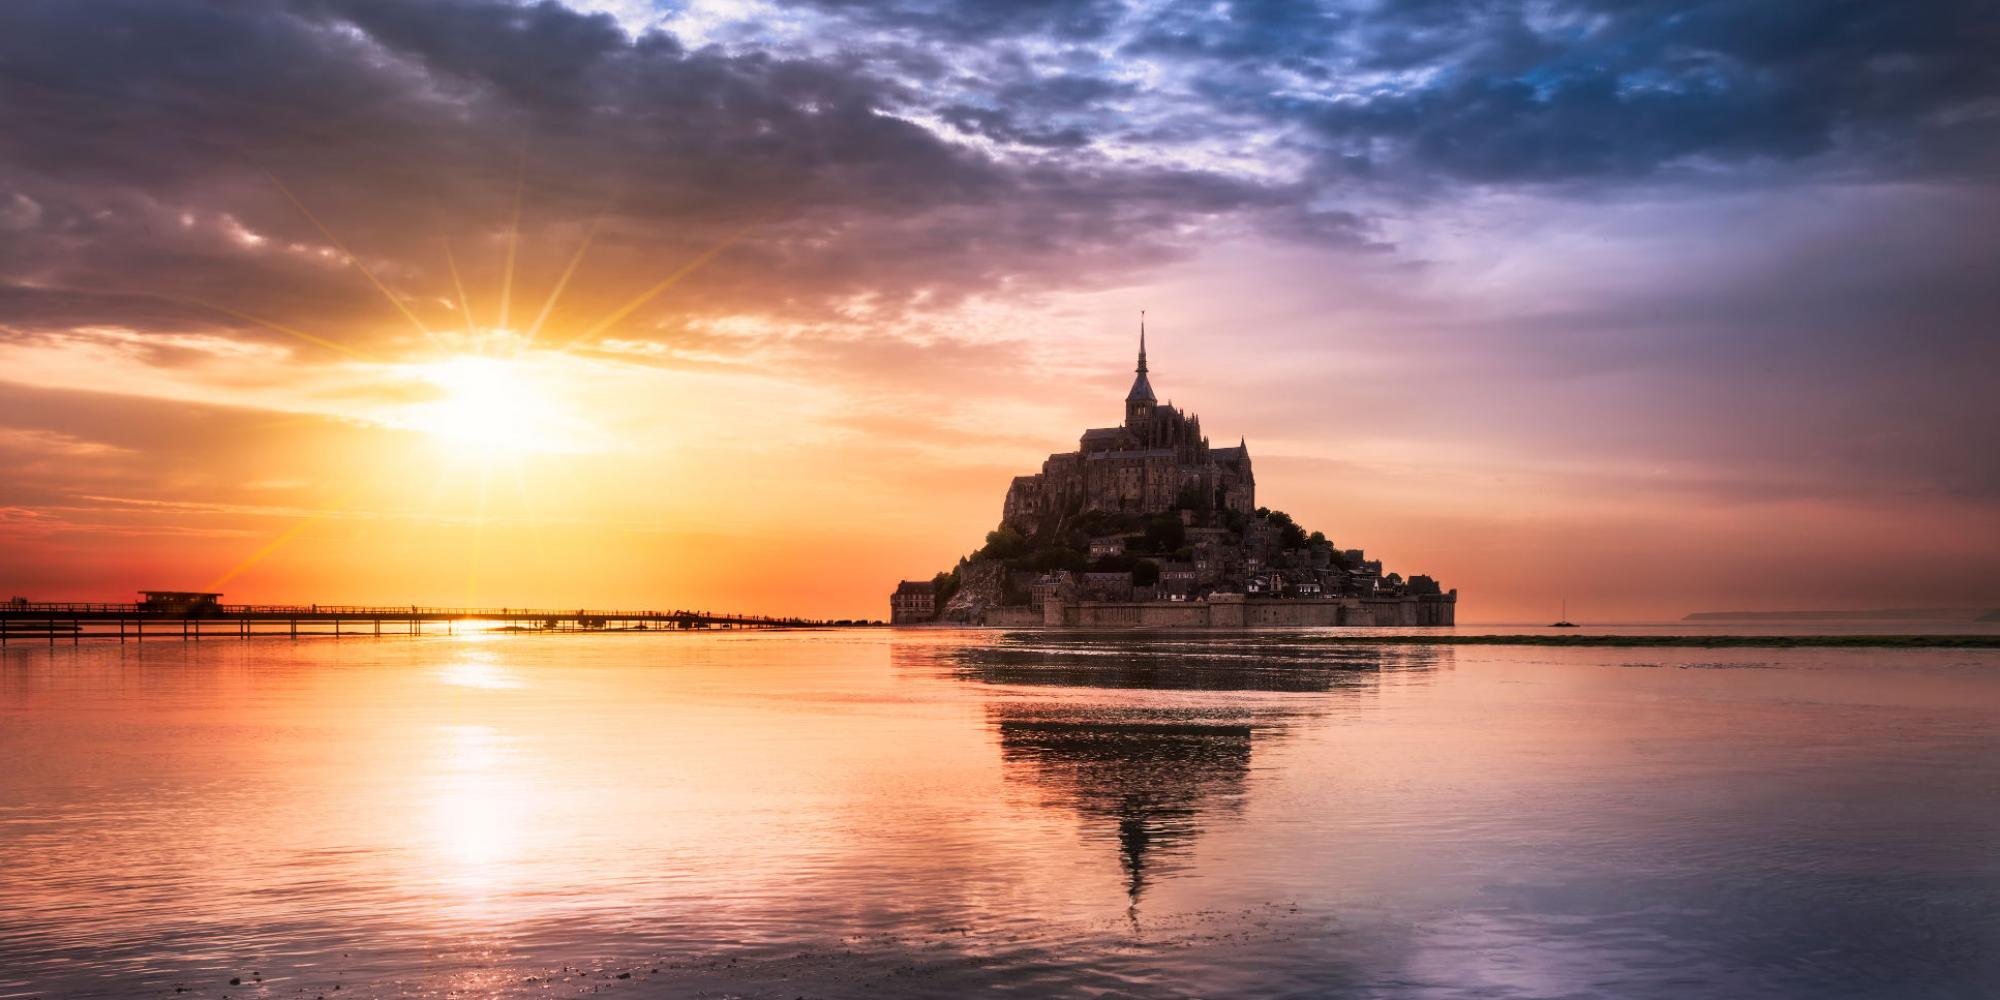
1155, 460
1146, 524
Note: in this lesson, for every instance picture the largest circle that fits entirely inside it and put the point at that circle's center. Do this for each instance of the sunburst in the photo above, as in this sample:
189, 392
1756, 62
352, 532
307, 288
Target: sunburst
491, 394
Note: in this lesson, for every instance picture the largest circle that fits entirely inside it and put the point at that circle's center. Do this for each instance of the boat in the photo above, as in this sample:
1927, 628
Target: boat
1564, 621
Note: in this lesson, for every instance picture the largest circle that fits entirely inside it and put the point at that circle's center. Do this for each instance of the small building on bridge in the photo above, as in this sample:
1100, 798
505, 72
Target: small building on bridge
187, 603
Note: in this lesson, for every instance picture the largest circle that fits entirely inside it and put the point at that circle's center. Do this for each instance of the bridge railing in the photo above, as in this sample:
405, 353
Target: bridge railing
44, 608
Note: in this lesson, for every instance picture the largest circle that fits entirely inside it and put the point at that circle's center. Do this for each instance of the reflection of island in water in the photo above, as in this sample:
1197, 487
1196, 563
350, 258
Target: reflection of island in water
1155, 771
1151, 779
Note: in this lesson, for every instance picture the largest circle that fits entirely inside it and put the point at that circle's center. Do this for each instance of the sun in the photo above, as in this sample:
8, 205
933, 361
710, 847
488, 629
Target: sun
488, 405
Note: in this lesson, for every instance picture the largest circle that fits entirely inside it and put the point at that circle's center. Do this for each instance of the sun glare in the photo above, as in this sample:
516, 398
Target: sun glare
488, 404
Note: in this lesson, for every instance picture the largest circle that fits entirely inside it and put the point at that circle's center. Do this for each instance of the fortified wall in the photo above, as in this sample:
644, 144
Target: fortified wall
1234, 611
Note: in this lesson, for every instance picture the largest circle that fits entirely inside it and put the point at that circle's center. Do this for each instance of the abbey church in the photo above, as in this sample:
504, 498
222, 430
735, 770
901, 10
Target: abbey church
1155, 460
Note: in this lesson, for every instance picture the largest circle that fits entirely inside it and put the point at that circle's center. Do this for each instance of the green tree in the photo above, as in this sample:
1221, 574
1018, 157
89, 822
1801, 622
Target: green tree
1004, 543
945, 585
1145, 573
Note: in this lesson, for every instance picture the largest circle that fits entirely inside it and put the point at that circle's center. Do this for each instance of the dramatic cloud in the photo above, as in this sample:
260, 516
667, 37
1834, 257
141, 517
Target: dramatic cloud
1752, 240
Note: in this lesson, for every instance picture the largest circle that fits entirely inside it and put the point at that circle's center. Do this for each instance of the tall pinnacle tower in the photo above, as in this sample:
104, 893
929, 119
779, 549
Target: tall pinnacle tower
1142, 341
1140, 401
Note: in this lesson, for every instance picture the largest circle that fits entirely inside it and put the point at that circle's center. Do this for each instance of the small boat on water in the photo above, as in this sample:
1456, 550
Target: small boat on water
1564, 621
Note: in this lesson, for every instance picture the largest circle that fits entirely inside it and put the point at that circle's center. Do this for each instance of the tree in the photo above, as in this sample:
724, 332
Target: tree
1004, 543
944, 585
1145, 573
1165, 533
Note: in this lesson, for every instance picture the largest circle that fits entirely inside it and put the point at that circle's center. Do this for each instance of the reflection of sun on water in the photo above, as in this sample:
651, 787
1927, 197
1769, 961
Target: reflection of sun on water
478, 670
477, 794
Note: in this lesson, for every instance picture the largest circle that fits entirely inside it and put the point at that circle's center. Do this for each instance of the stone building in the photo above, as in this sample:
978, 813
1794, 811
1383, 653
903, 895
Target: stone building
1157, 458
913, 601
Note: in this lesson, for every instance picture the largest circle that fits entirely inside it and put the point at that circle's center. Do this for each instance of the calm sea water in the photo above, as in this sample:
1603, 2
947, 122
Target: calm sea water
877, 814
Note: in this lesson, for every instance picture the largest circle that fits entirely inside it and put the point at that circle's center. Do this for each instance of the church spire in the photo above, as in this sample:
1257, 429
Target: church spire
1142, 390
1142, 341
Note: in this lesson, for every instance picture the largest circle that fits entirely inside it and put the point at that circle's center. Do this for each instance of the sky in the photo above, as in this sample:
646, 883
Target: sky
1656, 307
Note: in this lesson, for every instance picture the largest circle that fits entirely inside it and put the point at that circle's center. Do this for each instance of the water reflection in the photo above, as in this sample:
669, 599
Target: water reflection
1187, 662
1150, 780
479, 668
1151, 776
472, 794
920, 813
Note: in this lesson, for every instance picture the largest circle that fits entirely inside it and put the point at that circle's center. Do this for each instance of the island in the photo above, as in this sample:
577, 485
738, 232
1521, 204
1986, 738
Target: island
1146, 524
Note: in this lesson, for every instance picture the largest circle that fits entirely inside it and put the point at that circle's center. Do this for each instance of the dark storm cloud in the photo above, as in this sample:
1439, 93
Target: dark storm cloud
910, 151
1487, 91
144, 138
985, 20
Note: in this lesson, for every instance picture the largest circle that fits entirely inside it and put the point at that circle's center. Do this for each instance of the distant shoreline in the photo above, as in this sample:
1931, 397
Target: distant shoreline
1874, 615
1683, 641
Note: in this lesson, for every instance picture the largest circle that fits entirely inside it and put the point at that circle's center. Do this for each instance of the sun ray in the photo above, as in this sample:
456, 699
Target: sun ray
284, 538
280, 327
351, 258
464, 303
513, 238
472, 566
562, 282
664, 284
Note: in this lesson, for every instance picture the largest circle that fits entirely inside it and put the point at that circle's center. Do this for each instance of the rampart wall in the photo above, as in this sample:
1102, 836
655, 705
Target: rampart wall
1347, 612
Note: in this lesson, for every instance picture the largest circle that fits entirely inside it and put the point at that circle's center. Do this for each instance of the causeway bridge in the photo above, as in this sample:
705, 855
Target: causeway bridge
50, 622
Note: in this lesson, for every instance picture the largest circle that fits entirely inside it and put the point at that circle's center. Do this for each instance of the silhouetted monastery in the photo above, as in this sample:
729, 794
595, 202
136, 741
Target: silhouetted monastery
1146, 524
1155, 460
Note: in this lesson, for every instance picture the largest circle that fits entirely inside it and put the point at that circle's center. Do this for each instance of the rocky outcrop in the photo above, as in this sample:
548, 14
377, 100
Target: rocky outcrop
979, 588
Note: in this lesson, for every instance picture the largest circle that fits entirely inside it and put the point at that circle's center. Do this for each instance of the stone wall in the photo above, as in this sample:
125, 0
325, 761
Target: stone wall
1013, 617
1240, 613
